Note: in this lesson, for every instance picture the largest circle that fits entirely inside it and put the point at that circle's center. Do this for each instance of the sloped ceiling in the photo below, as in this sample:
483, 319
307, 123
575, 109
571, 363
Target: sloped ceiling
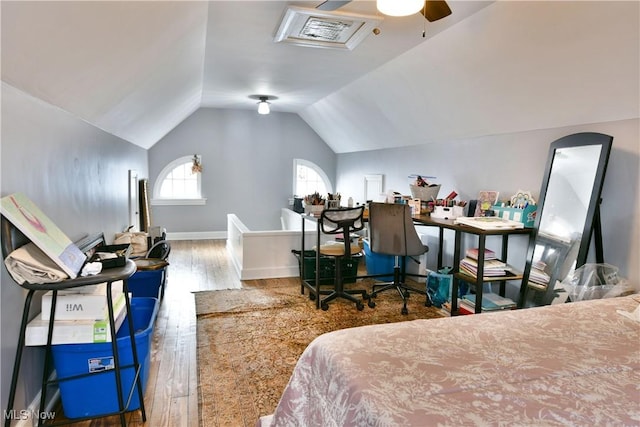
137, 69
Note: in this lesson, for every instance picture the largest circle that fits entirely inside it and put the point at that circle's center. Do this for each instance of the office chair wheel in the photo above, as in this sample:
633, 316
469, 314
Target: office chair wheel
312, 296
371, 304
404, 311
360, 306
324, 306
428, 303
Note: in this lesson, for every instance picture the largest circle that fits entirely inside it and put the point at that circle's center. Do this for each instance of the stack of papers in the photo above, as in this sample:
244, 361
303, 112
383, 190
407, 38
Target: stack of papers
490, 302
489, 223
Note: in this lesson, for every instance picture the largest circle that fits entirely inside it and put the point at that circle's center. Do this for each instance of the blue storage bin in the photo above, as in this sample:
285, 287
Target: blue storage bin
95, 394
378, 263
146, 283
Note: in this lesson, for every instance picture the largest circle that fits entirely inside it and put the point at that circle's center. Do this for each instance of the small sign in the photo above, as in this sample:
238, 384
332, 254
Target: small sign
99, 364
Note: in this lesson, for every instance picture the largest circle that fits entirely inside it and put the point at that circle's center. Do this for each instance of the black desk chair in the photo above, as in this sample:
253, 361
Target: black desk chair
392, 232
345, 222
156, 259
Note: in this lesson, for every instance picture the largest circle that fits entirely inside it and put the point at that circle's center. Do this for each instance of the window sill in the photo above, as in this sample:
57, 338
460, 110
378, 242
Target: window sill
178, 202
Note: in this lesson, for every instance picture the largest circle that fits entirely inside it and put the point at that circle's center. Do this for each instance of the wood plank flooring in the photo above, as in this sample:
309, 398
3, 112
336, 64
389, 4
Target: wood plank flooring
171, 397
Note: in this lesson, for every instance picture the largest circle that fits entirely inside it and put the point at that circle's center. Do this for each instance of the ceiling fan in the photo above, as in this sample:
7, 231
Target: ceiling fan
433, 10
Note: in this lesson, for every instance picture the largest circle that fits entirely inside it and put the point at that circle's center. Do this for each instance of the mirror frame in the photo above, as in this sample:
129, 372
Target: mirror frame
592, 220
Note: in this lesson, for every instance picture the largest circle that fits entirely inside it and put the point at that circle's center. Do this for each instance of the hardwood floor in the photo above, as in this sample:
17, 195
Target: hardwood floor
171, 397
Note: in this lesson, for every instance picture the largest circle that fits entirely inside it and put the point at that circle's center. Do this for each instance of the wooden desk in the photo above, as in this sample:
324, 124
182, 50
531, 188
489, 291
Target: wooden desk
459, 230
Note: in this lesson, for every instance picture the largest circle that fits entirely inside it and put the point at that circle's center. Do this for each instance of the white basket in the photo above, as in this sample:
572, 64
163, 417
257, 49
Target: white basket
425, 193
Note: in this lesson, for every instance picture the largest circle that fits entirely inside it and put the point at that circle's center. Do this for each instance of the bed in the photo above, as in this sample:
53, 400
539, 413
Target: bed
566, 364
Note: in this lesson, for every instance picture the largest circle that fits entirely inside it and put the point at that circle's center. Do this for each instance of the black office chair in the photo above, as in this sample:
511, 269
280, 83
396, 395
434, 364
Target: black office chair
155, 260
342, 221
392, 232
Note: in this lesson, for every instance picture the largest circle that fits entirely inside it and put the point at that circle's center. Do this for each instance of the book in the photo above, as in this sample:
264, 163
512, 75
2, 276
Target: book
81, 306
474, 252
489, 223
486, 199
75, 331
492, 267
490, 302
38, 228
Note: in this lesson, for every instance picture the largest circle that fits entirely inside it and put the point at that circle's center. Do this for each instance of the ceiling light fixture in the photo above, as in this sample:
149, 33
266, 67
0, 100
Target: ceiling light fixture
263, 104
399, 7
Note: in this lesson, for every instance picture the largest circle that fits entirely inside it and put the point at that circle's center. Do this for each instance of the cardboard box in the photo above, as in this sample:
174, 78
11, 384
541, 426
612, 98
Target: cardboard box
75, 331
74, 305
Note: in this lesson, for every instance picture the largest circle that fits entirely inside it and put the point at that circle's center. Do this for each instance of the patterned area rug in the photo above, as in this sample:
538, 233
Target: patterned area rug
250, 339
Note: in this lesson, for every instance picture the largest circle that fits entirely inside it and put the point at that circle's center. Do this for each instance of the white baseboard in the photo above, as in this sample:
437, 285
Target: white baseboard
197, 235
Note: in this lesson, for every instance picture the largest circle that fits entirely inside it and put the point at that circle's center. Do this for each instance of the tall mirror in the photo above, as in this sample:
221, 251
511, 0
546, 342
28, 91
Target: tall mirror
567, 216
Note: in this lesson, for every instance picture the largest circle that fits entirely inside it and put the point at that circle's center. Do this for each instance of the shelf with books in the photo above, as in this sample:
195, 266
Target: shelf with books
480, 264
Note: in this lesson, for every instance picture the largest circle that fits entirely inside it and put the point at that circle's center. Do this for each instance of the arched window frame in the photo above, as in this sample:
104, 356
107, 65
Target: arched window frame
159, 200
316, 168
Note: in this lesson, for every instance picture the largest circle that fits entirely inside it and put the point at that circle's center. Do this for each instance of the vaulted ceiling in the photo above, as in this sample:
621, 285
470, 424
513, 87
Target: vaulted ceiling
138, 69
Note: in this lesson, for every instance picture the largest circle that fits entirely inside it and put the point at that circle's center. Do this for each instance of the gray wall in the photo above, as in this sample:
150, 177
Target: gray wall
508, 163
78, 175
248, 167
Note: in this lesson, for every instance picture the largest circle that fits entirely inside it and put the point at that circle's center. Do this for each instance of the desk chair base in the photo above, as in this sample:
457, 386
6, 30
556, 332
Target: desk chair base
402, 288
340, 292
348, 295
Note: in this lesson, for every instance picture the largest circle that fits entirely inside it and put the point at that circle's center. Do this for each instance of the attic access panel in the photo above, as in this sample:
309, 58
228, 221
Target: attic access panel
316, 28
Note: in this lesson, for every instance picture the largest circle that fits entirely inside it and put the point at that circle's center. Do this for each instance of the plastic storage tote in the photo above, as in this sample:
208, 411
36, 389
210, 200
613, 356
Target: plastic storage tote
378, 263
146, 283
95, 394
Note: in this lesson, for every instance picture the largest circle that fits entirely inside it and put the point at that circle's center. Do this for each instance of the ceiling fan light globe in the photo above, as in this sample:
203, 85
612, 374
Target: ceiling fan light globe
263, 107
399, 7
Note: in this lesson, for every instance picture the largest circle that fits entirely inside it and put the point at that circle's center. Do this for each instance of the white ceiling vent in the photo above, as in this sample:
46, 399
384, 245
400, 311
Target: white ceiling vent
317, 28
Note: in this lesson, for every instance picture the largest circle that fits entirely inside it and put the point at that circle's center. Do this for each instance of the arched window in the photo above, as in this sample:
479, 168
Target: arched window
177, 184
309, 178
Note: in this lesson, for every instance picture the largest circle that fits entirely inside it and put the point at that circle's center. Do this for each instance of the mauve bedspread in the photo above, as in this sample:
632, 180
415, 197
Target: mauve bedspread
569, 364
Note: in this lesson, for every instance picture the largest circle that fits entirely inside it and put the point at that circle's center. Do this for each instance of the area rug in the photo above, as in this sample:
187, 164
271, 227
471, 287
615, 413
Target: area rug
250, 339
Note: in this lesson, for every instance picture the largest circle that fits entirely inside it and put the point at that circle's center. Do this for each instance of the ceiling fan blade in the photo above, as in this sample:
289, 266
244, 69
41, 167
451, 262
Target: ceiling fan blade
435, 9
332, 5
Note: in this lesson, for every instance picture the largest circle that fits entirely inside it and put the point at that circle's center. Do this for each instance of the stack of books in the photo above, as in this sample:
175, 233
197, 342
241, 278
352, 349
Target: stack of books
493, 267
490, 302
538, 279
82, 316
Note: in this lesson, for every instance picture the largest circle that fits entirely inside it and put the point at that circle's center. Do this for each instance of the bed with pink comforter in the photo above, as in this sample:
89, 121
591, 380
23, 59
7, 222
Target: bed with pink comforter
568, 364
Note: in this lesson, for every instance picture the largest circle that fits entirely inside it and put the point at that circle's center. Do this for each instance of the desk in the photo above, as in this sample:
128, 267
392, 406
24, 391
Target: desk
459, 230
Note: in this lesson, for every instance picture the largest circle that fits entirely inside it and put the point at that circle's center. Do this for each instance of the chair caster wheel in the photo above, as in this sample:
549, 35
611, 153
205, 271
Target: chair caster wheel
404, 311
360, 306
324, 306
428, 304
312, 297
371, 304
